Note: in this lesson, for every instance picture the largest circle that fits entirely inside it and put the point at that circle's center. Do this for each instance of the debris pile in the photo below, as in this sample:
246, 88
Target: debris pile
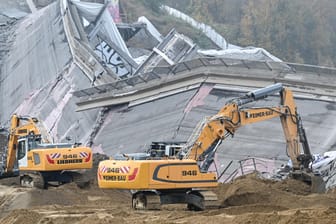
246, 199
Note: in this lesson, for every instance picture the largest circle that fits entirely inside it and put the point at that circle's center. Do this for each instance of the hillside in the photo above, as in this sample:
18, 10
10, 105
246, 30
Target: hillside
295, 31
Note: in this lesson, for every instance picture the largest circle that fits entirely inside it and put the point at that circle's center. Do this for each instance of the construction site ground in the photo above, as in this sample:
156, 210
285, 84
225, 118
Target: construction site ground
248, 199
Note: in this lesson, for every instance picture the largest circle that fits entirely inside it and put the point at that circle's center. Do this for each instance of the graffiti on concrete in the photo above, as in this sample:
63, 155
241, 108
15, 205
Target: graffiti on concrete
111, 59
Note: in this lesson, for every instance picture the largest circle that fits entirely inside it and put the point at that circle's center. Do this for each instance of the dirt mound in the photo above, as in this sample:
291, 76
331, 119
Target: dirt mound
255, 194
91, 174
248, 199
10, 181
253, 190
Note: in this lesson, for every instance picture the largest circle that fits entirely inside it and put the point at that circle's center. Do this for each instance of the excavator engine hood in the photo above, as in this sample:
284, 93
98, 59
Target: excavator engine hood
153, 174
52, 159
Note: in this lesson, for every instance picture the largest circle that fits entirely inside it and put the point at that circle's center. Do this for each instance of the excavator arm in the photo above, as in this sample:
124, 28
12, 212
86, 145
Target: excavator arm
19, 126
233, 115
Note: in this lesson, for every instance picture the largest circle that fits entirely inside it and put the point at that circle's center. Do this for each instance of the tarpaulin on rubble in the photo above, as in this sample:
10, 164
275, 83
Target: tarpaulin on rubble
325, 165
113, 8
229, 50
88, 10
207, 30
109, 28
105, 23
151, 28
249, 53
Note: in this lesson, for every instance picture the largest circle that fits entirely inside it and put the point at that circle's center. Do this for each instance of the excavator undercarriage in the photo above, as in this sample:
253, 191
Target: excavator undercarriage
196, 200
42, 180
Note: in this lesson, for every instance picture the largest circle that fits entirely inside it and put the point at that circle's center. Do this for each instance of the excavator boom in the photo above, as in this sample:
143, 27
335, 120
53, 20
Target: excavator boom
19, 126
233, 115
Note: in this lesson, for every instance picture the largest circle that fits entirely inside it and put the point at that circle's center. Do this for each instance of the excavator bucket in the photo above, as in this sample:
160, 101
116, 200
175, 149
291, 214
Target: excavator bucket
317, 184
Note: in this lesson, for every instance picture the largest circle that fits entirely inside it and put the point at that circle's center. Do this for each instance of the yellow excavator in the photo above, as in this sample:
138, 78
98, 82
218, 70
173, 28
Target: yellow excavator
184, 177
29, 154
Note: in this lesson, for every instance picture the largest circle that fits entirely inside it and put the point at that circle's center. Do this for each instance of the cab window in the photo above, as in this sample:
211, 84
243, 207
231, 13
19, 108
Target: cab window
33, 143
21, 149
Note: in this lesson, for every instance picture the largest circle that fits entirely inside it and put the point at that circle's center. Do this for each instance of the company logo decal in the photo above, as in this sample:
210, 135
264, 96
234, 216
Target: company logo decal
120, 173
54, 158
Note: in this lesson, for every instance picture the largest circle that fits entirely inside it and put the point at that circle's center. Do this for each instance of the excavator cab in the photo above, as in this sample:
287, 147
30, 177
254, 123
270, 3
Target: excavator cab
165, 149
24, 145
157, 150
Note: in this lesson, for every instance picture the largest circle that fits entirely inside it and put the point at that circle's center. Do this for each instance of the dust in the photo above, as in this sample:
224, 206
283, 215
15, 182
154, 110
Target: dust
248, 199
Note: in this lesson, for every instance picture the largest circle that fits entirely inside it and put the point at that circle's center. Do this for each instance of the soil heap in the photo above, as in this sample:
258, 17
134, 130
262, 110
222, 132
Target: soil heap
248, 199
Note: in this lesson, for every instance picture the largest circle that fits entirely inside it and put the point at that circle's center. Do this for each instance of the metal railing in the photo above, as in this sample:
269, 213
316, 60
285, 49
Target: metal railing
246, 166
208, 65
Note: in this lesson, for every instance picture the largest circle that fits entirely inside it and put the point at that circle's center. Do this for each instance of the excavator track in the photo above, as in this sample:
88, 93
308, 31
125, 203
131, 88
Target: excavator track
196, 200
210, 199
153, 201
146, 201
39, 182
32, 180
199, 200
